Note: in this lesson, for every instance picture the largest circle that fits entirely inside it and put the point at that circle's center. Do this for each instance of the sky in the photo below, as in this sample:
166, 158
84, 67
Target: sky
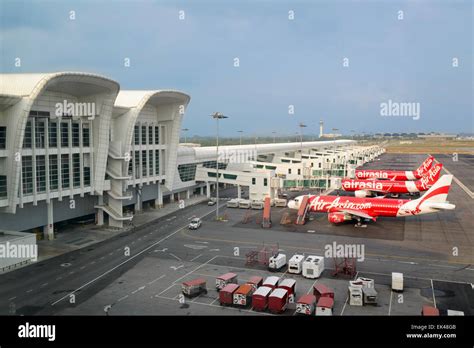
284, 63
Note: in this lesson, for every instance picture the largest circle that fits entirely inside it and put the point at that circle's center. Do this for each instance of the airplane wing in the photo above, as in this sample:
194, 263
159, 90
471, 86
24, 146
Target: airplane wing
357, 213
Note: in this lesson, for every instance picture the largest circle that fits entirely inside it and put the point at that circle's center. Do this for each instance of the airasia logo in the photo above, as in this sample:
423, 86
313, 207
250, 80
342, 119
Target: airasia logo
374, 174
425, 166
429, 178
352, 184
320, 204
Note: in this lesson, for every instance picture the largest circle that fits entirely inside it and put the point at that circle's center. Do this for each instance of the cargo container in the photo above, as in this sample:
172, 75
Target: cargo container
313, 266
429, 311
271, 282
226, 295
305, 304
324, 306
366, 282
295, 265
397, 281
243, 295
321, 290
370, 296
255, 281
260, 298
355, 296
223, 280
290, 286
278, 300
194, 287
277, 262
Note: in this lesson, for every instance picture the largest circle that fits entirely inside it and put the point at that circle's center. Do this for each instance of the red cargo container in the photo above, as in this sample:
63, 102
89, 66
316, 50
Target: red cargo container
243, 295
223, 280
260, 298
306, 304
194, 287
324, 306
321, 290
290, 286
255, 281
429, 311
278, 300
271, 282
226, 295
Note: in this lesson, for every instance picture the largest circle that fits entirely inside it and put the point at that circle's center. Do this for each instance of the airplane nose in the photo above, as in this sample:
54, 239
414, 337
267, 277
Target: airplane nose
292, 204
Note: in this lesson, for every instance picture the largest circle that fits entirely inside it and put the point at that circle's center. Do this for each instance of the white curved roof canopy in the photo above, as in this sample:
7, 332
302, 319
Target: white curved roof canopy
133, 99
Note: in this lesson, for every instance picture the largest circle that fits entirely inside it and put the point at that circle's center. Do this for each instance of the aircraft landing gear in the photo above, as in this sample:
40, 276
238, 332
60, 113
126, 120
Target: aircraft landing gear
359, 224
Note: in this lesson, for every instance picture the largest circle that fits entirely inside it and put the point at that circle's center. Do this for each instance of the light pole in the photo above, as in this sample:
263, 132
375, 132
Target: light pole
274, 136
334, 130
217, 116
185, 130
301, 125
240, 131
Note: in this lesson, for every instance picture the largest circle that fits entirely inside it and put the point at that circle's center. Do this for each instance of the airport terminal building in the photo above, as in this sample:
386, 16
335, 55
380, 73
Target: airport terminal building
73, 144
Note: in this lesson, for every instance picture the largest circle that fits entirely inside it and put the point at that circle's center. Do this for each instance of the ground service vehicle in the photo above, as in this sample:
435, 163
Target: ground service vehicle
260, 298
226, 295
295, 265
306, 304
223, 280
290, 286
271, 282
243, 295
195, 224
278, 300
255, 281
277, 262
313, 266
194, 287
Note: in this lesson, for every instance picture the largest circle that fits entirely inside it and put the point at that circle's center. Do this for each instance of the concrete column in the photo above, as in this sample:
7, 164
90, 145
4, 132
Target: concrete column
172, 197
138, 203
201, 190
208, 190
48, 230
159, 200
100, 213
238, 191
188, 193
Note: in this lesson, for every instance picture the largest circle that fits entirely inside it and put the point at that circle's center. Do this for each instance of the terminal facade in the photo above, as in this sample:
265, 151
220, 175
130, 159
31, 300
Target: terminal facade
73, 144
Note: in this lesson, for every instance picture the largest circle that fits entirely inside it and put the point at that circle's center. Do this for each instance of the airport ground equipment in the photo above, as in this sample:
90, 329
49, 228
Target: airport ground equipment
345, 266
355, 296
302, 211
370, 295
321, 290
243, 295
255, 281
295, 265
429, 311
260, 256
290, 286
194, 287
267, 220
226, 295
278, 300
313, 266
277, 262
286, 219
366, 282
397, 281
271, 282
223, 280
324, 306
306, 304
280, 202
260, 298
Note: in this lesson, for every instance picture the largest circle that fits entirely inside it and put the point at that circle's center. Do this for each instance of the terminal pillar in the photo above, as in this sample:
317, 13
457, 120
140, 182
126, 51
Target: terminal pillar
48, 230
208, 190
159, 200
201, 190
138, 203
172, 197
100, 213
238, 191
188, 194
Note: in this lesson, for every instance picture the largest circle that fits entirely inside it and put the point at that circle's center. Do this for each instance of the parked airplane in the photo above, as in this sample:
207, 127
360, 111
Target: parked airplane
395, 174
365, 188
345, 208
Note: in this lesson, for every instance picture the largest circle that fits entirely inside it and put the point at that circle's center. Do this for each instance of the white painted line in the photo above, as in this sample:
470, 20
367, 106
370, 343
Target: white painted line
176, 257
122, 298
139, 289
72, 272
29, 290
432, 289
92, 262
160, 277
215, 300
12, 298
390, 304
344, 307
176, 268
42, 285
102, 258
430, 264
82, 267
461, 185
194, 258
59, 278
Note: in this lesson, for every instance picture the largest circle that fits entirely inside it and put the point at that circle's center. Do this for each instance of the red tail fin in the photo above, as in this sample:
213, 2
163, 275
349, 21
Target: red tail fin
432, 176
425, 166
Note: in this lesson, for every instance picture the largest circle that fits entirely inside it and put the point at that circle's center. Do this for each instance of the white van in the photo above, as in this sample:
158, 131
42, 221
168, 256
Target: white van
313, 266
295, 265
277, 262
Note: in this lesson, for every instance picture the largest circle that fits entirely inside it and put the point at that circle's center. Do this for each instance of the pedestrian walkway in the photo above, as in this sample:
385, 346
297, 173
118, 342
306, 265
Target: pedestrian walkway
78, 237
